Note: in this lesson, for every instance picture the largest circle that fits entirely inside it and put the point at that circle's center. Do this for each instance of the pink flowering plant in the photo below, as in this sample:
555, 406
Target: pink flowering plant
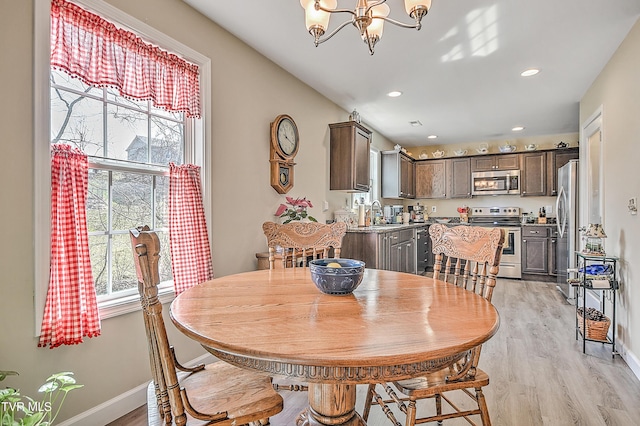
296, 210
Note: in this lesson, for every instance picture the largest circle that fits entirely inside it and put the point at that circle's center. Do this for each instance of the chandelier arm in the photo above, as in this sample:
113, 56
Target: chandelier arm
324, 9
417, 25
334, 32
374, 4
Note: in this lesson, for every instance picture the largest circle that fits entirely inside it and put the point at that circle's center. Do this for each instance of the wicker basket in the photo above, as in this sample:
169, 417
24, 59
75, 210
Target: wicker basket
596, 330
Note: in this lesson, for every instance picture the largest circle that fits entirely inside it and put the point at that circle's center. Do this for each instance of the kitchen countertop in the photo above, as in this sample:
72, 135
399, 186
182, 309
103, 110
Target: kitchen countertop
395, 226
377, 229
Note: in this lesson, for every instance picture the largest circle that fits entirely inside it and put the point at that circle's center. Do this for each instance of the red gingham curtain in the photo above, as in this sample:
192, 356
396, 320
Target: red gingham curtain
188, 237
71, 310
97, 52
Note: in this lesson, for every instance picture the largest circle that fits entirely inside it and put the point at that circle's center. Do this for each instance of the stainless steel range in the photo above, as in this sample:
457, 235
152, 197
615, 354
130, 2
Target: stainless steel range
509, 219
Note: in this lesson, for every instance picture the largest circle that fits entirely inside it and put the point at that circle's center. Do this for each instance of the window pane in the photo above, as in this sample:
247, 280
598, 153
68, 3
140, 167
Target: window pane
122, 267
113, 95
127, 134
98, 201
131, 200
77, 121
98, 250
162, 201
165, 258
178, 116
166, 141
61, 78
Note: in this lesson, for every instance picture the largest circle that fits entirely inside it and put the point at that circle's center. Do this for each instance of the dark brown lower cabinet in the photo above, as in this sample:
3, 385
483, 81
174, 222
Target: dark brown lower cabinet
539, 250
535, 255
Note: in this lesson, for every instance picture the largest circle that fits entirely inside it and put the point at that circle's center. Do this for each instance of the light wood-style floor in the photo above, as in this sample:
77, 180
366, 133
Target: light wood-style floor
539, 375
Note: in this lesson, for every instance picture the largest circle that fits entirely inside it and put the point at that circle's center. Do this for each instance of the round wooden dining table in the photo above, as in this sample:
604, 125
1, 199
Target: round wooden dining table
393, 326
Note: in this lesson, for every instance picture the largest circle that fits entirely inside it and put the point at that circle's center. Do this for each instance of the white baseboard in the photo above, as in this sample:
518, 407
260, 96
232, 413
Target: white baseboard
630, 358
122, 404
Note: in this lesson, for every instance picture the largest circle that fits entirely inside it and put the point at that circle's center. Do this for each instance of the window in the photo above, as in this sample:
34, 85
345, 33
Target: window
374, 181
129, 144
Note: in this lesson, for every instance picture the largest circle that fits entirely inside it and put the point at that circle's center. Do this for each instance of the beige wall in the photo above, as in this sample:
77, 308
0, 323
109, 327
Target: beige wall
617, 89
248, 92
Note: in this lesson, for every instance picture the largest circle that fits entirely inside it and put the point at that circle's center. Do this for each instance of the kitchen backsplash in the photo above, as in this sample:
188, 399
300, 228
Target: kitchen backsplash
449, 208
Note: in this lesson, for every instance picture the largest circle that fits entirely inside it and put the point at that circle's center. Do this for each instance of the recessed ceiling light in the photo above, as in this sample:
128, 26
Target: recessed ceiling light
394, 94
431, 137
517, 129
529, 72
415, 123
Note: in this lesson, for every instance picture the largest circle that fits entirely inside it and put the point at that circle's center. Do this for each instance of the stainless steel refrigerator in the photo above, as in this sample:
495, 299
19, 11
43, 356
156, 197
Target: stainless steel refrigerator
567, 222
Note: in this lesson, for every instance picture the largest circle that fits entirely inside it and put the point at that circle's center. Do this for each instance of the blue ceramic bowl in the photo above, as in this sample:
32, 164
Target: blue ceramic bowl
333, 280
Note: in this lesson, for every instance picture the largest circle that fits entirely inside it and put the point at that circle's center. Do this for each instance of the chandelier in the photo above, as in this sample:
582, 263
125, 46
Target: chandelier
368, 17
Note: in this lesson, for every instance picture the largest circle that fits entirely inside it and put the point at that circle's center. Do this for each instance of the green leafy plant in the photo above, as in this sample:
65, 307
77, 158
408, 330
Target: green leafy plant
21, 410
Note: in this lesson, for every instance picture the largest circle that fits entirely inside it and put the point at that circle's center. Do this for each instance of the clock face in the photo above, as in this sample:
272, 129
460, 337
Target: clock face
287, 135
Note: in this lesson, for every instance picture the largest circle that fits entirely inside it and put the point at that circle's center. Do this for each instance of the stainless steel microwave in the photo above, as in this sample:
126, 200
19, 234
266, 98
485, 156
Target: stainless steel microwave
495, 183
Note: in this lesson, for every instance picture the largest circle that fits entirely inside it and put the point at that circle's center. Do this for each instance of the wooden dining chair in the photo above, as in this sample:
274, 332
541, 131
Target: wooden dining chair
215, 394
300, 241
468, 257
296, 243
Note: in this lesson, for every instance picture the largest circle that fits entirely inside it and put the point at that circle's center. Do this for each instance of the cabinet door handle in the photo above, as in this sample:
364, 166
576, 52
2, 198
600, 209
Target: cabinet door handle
524, 241
553, 241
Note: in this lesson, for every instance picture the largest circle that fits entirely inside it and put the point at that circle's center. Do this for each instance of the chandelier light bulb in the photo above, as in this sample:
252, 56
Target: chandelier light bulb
316, 19
417, 8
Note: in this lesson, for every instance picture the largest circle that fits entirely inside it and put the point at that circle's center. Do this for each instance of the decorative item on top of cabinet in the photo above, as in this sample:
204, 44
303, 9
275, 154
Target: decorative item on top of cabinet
533, 174
489, 163
398, 175
349, 157
285, 141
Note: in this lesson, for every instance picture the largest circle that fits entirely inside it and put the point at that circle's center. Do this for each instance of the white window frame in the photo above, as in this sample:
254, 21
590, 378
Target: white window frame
196, 144
374, 180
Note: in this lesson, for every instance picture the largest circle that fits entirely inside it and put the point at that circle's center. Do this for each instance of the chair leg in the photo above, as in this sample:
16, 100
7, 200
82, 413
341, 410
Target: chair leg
439, 407
368, 401
411, 413
482, 405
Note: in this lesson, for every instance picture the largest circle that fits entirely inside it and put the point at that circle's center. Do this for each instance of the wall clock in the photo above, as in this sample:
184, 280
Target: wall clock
285, 142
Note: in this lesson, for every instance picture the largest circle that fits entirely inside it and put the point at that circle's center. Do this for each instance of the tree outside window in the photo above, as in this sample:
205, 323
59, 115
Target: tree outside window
130, 144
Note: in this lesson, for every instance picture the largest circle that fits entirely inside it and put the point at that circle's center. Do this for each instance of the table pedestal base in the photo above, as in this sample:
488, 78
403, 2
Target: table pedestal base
331, 405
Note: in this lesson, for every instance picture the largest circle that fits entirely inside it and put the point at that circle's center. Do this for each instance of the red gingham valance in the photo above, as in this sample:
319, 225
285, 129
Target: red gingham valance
188, 237
71, 310
88, 47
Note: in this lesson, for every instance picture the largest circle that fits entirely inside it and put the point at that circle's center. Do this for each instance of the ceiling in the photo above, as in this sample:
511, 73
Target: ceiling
460, 74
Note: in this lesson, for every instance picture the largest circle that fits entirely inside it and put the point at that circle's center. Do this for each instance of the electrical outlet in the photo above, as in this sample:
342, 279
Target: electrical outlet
548, 209
325, 206
633, 205
433, 209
